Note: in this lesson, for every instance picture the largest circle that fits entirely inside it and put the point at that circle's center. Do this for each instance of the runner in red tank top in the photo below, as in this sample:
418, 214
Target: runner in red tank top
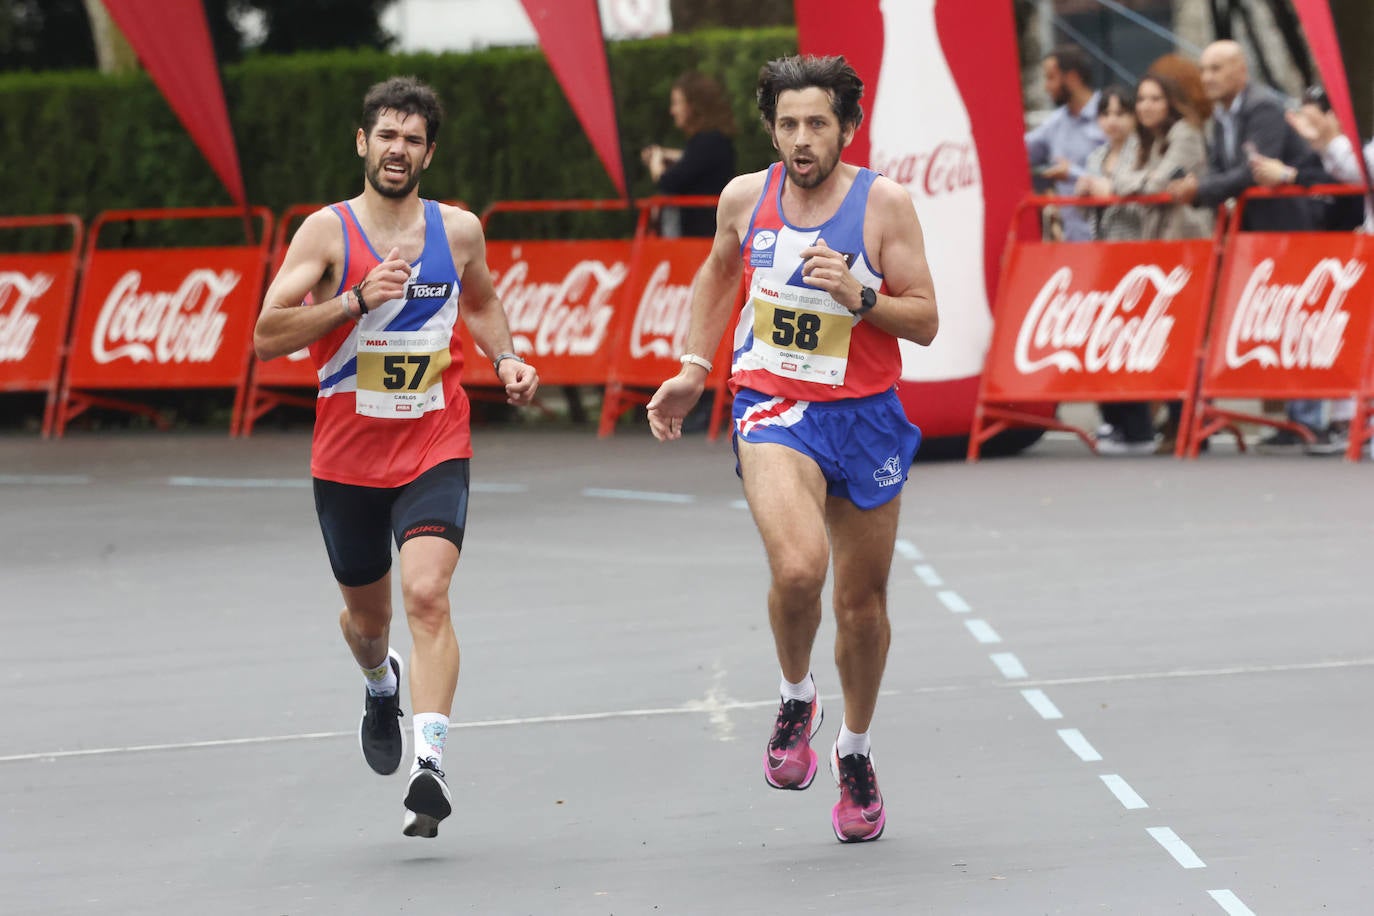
836, 272
391, 449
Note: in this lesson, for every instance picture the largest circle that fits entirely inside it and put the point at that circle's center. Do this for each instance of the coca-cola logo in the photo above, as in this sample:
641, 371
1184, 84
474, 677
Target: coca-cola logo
948, 168
1124, 329
567, 318
17, 324
182, 326
663, 316
1292, 325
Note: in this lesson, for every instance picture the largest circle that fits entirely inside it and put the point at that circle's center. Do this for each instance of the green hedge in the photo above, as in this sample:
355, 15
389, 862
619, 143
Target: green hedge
81, 142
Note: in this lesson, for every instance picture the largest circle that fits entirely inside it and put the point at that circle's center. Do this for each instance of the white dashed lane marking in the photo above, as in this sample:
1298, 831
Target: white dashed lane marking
640, 495
1009, 665
1123, 792
1181, 851
1231, 903
982, 631
1042, 704
1079, 745
928, 575
952, 601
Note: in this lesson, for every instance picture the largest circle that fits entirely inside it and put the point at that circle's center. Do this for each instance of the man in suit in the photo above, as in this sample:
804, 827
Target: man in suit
1248, 123
1248, 120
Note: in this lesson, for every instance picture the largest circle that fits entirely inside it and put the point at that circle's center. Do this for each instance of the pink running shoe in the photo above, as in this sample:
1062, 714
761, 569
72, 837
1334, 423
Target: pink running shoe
859, 814
789, 762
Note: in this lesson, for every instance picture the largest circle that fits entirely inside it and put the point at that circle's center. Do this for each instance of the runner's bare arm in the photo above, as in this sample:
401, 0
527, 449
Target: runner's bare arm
713, 299
481, 308
908, 310
892, 235
286, 323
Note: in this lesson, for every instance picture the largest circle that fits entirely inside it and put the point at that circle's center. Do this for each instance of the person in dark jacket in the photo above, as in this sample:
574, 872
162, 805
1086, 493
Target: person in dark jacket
705, 164
1248, 120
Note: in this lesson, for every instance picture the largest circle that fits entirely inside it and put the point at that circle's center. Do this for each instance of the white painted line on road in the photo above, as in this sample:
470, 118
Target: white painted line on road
1079, 745
982, 631
907, 549
1123, 792
647, 496
928, 575
491, 487
1231, 903
1008, 664
716, 705
284, 483
1181, 851
1206, 672
952, 601
44, 480
740, 504
1041, 704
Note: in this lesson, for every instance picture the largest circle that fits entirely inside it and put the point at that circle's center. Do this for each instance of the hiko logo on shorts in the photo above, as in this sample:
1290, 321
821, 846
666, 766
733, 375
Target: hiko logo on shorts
761, 248
890, 474
429, 529
429, 290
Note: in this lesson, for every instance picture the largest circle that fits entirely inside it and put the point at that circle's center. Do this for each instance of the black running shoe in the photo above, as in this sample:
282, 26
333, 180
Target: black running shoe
427, 800
379, 733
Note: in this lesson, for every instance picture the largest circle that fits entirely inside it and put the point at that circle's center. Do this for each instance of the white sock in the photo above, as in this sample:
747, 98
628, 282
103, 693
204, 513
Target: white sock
804, 691
431, 733
850, 743
381, 681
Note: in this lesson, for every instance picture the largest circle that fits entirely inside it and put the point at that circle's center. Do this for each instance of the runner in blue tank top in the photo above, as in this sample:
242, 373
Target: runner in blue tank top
835, 268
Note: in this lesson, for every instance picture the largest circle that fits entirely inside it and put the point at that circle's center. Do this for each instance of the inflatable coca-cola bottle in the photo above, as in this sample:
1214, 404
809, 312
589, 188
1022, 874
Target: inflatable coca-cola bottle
922, 138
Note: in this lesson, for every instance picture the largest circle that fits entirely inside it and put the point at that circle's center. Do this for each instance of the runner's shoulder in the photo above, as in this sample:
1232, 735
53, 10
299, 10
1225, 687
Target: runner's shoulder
741, 194
462, 225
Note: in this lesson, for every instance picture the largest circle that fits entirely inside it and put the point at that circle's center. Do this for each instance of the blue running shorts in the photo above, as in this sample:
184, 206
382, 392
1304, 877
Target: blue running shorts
863, 446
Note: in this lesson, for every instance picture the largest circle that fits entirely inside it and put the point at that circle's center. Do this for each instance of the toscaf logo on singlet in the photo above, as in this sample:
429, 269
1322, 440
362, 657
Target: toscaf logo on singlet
429, 290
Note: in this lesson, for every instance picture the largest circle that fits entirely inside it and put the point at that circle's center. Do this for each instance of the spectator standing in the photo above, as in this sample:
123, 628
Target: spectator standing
1112, 169
705, 165
1317, 124
1059, 147
1249, 120
1172, 147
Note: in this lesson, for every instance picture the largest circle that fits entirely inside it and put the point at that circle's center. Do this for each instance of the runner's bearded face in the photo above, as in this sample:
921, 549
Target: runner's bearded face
807, 134
395, 153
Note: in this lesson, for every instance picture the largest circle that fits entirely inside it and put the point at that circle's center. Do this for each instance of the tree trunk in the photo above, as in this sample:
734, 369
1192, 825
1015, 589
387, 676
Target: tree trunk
112, 51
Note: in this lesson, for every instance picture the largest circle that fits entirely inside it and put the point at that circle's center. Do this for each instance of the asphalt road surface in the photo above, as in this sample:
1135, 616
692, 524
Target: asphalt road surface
1116, 686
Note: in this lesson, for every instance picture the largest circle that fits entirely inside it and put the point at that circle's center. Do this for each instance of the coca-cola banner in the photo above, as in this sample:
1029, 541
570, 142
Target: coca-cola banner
562, 302
172, 318
1292, 317
925, 63
660, 299
35, 300
1099, 322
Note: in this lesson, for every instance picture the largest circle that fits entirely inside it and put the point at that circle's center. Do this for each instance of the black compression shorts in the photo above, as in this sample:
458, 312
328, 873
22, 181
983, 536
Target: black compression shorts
355, 521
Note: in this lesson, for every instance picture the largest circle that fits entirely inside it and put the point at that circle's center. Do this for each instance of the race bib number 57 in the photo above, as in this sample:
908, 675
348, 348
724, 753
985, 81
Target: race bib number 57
801, 334
401, 373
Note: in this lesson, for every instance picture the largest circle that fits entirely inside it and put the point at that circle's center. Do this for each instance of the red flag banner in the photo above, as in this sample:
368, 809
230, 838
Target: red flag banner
570, 34
1321, 38
173, 42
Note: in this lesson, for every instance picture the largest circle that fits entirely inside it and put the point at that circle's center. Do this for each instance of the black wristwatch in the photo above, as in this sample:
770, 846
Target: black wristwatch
868, 297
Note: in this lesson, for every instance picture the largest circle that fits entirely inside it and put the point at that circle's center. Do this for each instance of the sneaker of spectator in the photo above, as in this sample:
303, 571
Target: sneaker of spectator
1116, 445
1331, 441
1282, 442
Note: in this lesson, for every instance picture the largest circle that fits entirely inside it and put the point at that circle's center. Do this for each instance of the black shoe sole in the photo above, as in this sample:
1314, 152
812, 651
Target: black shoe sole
425, 799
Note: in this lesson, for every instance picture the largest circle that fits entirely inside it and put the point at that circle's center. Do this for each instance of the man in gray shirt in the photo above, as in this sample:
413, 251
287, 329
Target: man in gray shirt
1059, 147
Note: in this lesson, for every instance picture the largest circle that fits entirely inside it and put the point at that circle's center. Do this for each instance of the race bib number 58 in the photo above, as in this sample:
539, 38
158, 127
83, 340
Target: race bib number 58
401, 373
801, 334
